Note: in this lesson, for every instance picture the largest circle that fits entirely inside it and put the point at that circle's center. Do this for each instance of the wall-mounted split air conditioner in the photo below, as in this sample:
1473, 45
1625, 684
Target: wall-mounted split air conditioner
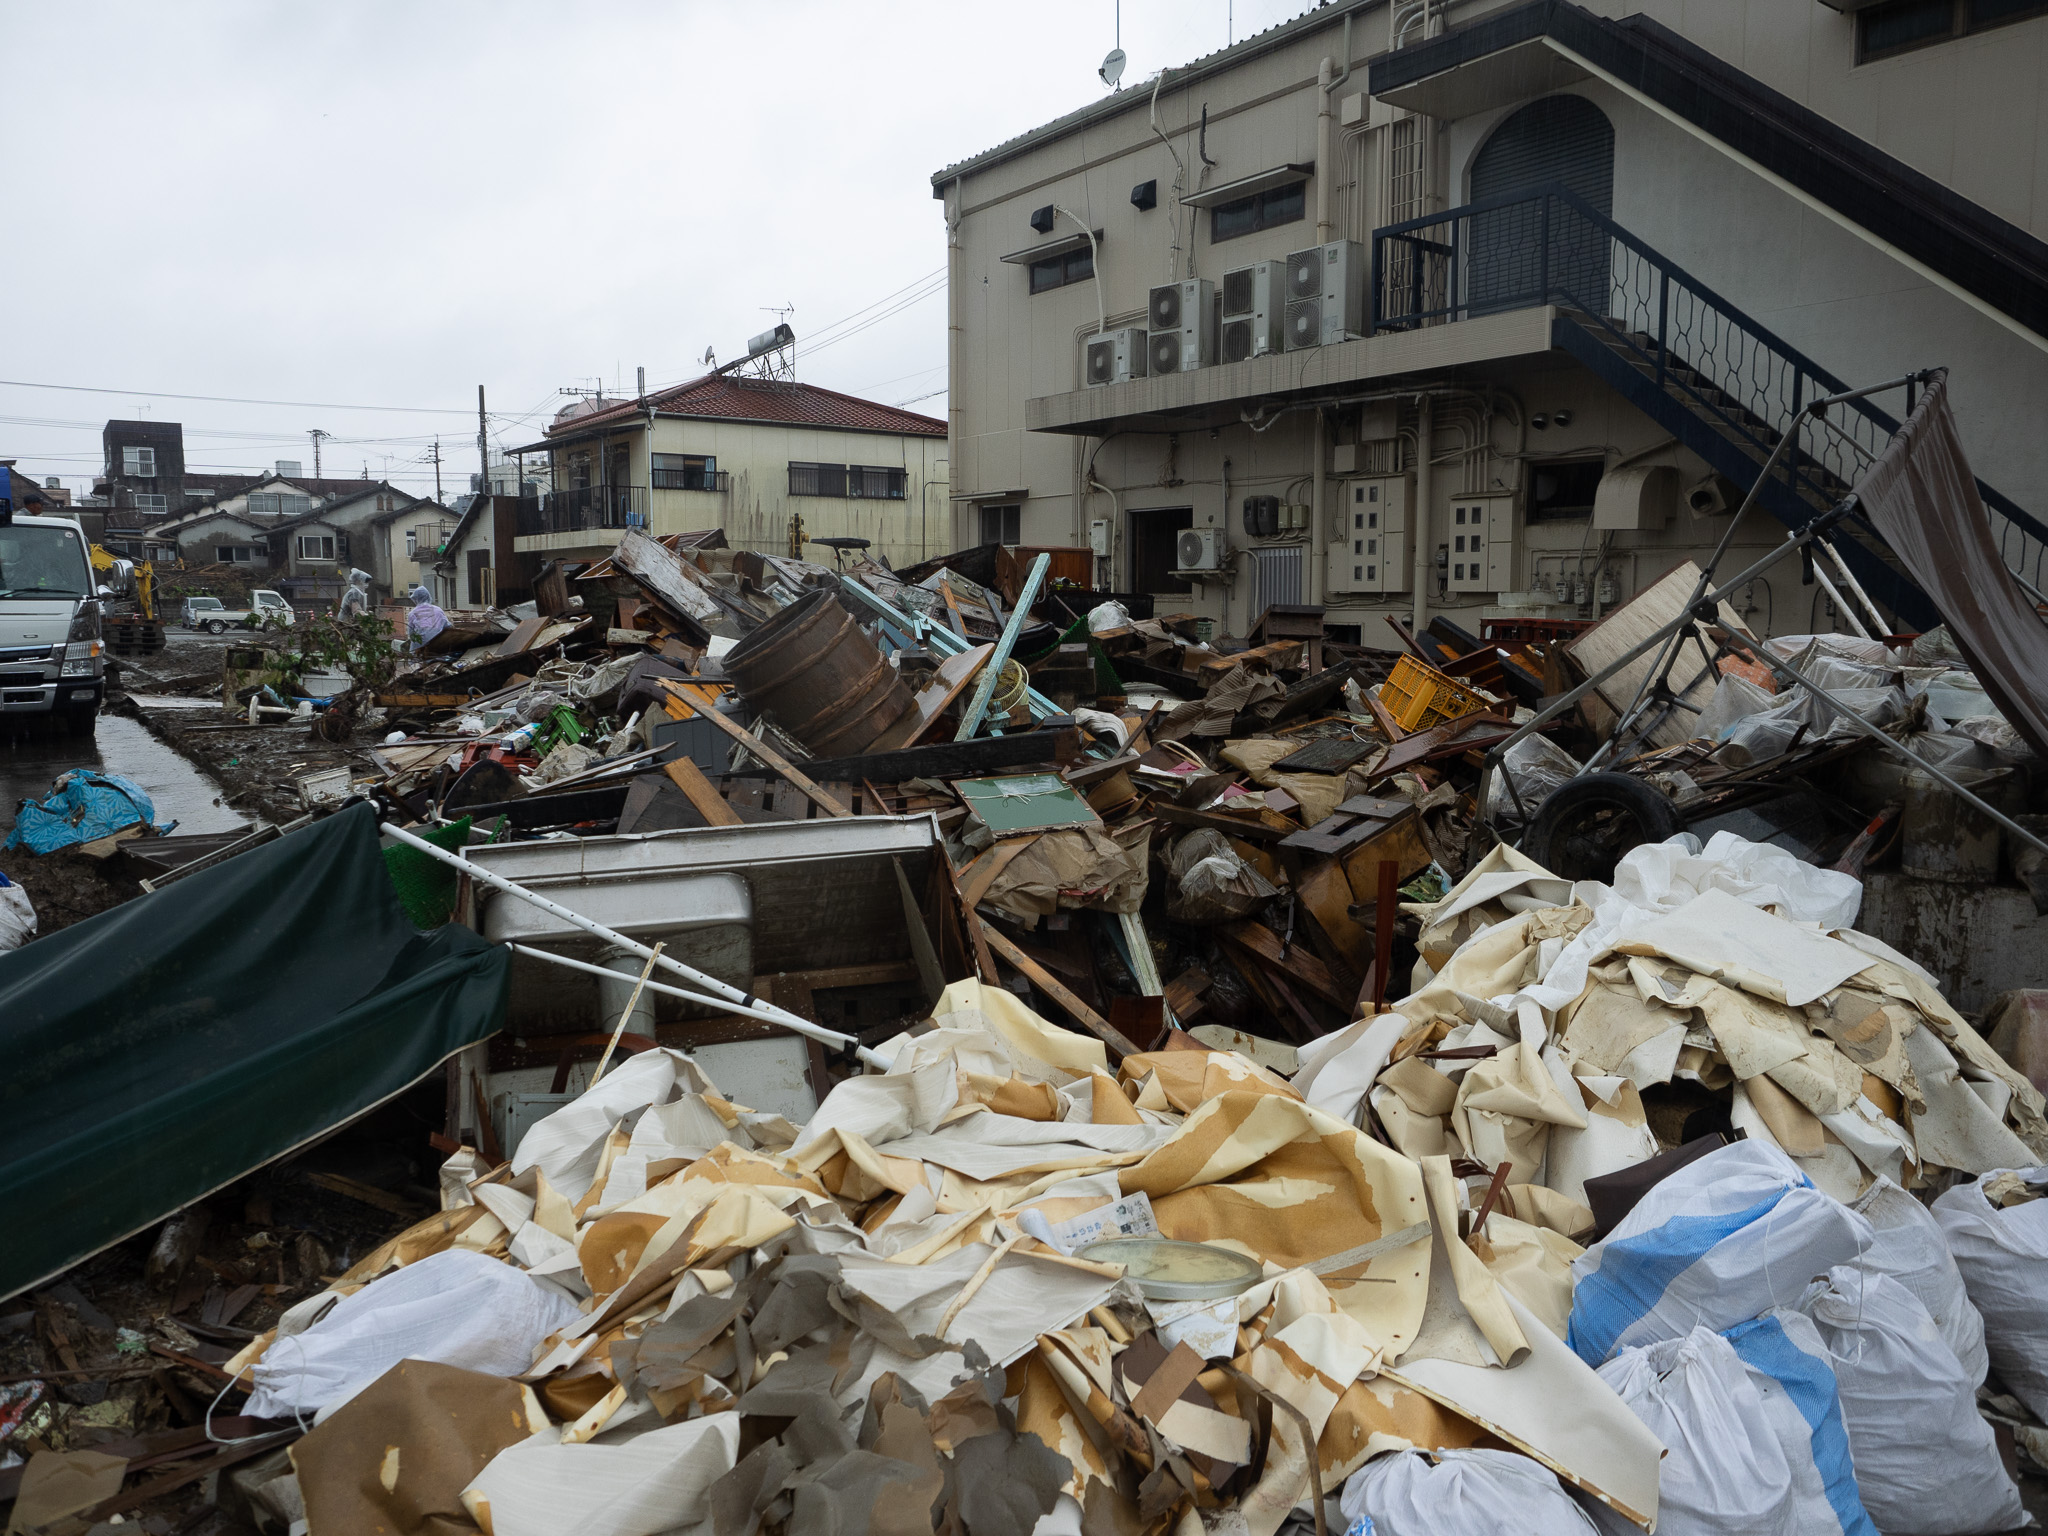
1114, 357
1253, 302
1198, 549
1182, 317
1325, 294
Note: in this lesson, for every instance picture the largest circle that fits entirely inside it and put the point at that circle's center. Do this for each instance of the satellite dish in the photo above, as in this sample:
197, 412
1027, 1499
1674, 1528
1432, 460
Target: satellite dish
1112, 68
710, 361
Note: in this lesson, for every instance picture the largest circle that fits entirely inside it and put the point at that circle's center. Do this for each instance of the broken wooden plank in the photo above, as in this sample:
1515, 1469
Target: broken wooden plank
694, 701
367, 1194
689, 778
1264, 658
1041, 978
1287, 960
948, 760
1228, 825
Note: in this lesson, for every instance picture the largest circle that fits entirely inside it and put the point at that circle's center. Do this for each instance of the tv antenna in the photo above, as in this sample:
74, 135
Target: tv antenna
1112, 69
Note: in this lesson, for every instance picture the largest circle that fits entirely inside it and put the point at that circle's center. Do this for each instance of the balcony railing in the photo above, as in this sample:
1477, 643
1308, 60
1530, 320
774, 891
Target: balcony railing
691, 480
573, 511
1546, 246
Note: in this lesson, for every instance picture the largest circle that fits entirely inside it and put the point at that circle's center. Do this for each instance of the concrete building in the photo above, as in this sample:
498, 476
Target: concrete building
409, 542
1548, 283
751, 456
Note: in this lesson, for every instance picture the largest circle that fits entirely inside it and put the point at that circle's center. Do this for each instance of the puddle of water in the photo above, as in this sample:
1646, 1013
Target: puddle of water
180, 792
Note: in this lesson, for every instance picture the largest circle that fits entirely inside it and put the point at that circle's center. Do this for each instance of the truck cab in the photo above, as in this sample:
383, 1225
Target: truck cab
52, 658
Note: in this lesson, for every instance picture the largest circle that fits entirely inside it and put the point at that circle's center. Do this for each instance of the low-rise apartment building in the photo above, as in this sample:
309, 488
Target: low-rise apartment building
764, 459
1484, 307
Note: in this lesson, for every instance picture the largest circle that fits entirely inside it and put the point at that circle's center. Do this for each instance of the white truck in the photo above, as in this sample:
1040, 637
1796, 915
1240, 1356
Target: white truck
52, 655
264, 607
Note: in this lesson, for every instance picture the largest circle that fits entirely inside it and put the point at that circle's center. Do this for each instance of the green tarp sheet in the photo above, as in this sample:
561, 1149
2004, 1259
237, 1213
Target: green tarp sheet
156, 1052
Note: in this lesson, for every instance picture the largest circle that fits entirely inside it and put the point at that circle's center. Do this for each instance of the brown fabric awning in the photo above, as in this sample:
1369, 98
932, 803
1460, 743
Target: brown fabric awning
1923, 498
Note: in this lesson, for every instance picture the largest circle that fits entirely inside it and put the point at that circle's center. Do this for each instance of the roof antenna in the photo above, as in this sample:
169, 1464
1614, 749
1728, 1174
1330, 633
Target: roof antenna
1112, 69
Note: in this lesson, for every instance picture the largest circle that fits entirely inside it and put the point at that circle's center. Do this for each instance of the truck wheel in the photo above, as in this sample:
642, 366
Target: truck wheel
1587, 824
81, 722
216, 627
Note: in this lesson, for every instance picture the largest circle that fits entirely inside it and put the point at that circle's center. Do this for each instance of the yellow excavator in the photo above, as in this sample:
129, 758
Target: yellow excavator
136, 633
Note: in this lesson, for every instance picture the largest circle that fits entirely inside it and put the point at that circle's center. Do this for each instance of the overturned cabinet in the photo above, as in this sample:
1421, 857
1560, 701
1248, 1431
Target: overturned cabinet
841, 920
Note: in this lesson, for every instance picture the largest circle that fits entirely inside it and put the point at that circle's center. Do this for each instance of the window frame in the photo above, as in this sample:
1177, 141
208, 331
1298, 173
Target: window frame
1257, 206
1963, 22
826, 482
152, 503
325, 551
895, 482
1009, 517
138, 454
1063, 270
683, 471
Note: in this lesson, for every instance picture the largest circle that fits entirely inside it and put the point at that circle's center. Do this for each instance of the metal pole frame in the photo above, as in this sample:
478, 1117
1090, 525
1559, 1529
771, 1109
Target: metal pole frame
723, 993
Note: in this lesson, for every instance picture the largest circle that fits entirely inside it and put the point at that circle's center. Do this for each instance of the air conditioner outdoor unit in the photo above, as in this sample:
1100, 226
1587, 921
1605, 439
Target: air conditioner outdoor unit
1198, 549
1325, 294
1371, 550
1114, 357
1252, 305
1182, 317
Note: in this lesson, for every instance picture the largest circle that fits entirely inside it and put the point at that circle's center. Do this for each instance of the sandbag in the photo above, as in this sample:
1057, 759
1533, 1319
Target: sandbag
1795, 1380
17, 916
1462, 1493
2002, 1254
1932, 1471
1907, 1244
456, 1307
1724, 1470
1719, 1242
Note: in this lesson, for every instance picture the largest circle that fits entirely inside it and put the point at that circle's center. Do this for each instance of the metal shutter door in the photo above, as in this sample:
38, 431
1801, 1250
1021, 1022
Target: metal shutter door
1560, 140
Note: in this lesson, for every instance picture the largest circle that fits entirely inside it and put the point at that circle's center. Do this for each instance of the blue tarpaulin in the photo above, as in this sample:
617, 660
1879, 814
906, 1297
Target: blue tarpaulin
84, 807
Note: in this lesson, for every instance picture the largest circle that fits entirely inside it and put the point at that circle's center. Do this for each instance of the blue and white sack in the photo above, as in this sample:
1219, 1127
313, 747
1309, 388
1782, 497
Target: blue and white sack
1789, 1366
1719, 1242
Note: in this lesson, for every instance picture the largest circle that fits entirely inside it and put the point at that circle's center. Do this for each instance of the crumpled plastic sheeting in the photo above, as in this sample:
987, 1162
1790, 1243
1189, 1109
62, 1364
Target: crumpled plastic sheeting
84, 807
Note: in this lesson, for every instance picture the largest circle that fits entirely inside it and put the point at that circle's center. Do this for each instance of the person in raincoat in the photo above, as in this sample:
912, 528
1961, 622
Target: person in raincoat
355, 602
426, 619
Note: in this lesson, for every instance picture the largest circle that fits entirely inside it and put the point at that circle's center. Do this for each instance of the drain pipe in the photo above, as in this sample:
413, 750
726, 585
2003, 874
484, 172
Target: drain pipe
752, 1006
1318, 513
1328, 78
1418, 515
1095, 262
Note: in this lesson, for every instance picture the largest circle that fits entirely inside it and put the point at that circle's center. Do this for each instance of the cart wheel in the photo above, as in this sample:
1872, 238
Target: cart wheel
1583, 829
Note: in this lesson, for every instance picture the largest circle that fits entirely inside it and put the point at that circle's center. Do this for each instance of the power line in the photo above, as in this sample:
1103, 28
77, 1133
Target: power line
311, 405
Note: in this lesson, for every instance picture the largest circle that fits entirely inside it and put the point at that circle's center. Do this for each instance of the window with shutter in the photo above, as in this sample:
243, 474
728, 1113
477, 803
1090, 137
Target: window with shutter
817, 479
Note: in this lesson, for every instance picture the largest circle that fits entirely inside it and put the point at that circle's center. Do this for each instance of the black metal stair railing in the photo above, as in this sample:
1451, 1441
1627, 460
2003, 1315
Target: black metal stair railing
1662, 336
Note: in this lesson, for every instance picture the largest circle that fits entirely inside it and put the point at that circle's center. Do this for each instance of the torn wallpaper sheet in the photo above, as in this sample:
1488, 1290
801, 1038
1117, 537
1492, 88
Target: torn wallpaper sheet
656, 1481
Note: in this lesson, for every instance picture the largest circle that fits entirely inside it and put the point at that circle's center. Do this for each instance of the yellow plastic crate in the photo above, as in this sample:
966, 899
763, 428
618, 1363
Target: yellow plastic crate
1419, 696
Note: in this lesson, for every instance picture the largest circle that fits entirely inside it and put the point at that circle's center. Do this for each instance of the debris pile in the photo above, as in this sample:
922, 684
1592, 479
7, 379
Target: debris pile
948, 1050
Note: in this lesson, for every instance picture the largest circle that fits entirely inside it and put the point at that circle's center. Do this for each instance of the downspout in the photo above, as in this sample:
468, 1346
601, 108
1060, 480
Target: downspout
1318, 548
954, 300
1425, 449
1094, 261
1328, 78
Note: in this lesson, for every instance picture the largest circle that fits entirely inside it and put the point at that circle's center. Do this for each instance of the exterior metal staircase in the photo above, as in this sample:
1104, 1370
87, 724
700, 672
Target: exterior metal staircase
1720, 383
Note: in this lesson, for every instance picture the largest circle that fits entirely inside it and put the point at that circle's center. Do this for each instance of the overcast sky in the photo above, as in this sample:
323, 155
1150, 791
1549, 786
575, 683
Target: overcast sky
387, 204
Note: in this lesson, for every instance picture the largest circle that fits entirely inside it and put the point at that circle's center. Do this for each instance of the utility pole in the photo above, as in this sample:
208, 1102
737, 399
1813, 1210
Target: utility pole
483, 445
317, 434
437, 473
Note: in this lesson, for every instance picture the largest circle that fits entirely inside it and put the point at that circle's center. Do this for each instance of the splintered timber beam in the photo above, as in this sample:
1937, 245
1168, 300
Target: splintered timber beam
1042, 979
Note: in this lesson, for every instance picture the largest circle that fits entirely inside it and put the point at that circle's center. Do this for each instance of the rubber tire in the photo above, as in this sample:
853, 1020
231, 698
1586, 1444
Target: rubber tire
216, 627
80, 722
1557, 838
